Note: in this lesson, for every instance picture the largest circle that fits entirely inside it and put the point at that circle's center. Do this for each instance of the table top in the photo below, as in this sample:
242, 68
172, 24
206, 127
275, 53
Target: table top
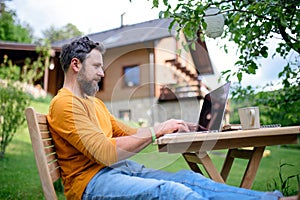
193, 141
194, 136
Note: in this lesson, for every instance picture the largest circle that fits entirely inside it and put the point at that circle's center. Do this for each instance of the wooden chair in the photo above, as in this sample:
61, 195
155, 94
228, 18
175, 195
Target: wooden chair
44, 151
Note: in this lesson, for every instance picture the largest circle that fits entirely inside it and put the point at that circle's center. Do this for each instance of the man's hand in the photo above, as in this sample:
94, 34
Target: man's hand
171, 126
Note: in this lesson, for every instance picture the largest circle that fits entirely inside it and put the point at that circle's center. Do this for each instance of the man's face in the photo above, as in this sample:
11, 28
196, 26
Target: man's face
91, 73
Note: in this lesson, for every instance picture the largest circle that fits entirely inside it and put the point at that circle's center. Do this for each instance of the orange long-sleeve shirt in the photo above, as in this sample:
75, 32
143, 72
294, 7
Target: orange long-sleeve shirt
83, 132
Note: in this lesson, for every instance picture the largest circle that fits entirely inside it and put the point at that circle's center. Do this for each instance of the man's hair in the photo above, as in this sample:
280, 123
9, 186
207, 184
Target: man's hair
79, 49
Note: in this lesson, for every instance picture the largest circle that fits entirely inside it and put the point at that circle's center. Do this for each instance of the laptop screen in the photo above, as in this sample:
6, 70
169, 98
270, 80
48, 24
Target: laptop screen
213, 108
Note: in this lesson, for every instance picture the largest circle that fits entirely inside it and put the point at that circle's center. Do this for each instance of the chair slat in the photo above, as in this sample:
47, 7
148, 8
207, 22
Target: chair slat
45, 134
43, 127
41, 118
55, 175
49, 150
51, 157
53, 169
48, 143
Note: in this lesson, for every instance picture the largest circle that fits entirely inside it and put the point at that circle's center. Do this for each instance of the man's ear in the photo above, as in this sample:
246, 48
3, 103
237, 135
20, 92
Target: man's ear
75, 64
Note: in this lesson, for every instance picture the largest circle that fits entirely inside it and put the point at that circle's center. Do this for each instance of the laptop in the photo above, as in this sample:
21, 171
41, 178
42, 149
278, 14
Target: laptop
212, 111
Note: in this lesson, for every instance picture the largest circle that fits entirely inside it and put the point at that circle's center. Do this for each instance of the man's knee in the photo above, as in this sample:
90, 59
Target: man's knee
173, 190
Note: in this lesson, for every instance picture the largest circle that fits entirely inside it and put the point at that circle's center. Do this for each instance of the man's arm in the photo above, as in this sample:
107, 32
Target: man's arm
127, 146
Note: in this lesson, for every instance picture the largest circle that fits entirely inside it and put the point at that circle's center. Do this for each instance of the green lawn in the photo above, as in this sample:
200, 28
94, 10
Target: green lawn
267, 172
19, 178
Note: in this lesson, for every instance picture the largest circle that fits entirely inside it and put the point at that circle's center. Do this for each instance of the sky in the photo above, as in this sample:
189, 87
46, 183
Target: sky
91, 16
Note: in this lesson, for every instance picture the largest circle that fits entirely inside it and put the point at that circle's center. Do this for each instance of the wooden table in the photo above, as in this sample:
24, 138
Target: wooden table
194, 148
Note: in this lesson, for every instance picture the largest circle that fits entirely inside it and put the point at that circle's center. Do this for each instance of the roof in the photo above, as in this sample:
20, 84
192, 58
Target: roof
17, 46
122, 36
130, 34
134, 34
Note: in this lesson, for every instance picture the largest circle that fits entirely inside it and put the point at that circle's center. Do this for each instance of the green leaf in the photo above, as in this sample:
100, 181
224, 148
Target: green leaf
186, 47
204, 25
239, 76
193, 46
264, 51
251, 69
165, 2
240, 62
236, 18
226, 72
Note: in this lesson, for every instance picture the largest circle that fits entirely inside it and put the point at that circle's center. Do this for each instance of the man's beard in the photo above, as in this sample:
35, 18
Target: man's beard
86, 85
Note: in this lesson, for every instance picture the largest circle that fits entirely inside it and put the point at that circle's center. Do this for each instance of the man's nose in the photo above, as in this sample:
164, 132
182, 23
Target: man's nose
100, 72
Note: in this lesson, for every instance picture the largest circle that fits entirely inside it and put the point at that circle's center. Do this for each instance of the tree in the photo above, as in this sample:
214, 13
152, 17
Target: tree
56, 34
271, 108
250, 24
11, 29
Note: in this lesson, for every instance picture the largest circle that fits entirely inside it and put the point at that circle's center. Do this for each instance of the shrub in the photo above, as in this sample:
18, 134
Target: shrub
15, 82
13, 101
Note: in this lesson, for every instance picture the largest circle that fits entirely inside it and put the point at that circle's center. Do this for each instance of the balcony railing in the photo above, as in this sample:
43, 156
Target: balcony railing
173, 92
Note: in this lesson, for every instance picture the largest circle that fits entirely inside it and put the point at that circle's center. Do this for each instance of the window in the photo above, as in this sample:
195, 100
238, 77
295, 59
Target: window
125, 115
132, 76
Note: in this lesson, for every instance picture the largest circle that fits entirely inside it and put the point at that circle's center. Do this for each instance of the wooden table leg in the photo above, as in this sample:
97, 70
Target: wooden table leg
210, 167
231, 155
252, 167
192, 161
227, 165
204, 159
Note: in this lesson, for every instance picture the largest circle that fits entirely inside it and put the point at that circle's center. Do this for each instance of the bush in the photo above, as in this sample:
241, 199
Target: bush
15, 81
13, 102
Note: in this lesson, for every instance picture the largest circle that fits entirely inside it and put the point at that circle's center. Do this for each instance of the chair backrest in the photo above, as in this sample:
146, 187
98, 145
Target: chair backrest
44, 151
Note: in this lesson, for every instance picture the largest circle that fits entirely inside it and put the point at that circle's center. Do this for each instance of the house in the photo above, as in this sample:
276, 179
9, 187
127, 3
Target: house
146, 78
19, 52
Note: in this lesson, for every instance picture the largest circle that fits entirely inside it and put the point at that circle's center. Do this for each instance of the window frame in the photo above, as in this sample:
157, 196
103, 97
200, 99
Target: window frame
125, 84
122, 114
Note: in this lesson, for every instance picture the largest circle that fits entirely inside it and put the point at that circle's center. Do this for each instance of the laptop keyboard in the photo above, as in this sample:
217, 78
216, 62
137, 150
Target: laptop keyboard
189, 133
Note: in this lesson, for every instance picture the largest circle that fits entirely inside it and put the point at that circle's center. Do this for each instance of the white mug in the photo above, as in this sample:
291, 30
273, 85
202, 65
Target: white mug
249, 117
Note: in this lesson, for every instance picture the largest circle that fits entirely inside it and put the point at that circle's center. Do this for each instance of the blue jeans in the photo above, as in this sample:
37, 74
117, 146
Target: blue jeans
130, 180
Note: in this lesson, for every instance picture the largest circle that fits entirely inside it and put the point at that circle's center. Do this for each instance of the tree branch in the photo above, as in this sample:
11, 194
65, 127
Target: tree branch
286, 37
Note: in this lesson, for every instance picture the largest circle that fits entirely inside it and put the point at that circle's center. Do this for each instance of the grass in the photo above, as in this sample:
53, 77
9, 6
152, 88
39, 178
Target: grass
268, 170
19, 177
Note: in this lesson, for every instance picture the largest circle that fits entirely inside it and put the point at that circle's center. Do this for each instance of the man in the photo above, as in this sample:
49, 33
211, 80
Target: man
92, 146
